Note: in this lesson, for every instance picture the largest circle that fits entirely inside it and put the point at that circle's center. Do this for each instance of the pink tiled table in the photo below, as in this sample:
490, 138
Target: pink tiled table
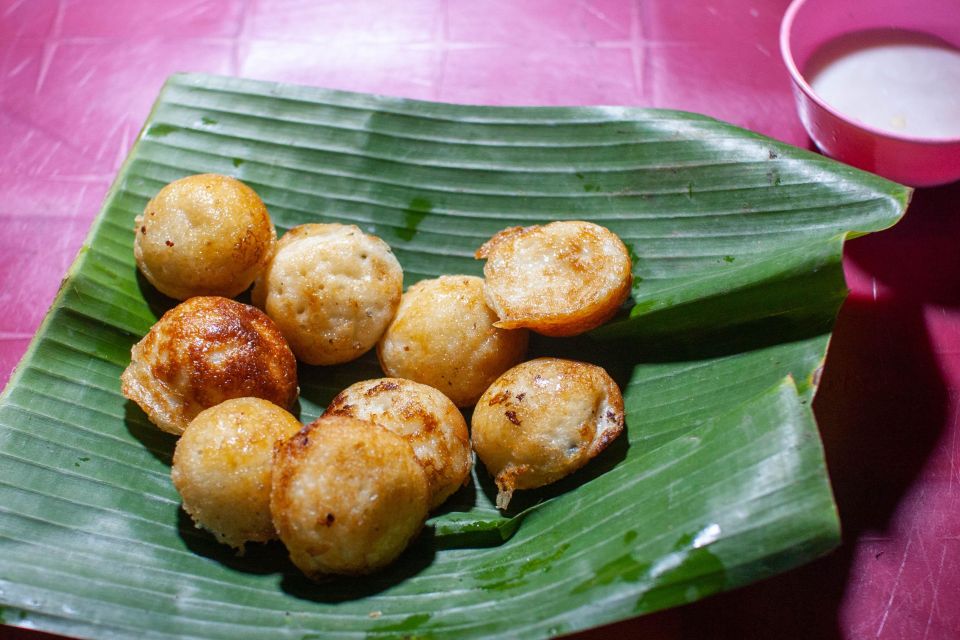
77, 80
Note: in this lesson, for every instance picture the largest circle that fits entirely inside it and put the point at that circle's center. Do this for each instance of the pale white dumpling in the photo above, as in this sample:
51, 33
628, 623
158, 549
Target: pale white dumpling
348, 496
444, 336
221, 468
559, 279
332, 290
203, 235
426, 418
544, 419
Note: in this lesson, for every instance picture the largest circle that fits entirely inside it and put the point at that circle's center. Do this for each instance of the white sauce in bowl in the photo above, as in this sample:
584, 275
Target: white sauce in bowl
902, 82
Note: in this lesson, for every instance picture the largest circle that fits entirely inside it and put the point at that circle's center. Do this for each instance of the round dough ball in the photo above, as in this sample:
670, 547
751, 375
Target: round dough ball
203, 235
332, 290
444, 335
221, 468
426, 418
544, 419
348, 496
202, 352
560, 279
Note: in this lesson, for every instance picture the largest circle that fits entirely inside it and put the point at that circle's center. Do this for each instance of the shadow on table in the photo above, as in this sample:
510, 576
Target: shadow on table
881, 408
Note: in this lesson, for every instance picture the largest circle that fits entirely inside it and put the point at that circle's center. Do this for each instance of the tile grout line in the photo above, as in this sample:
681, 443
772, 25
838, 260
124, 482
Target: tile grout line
636, 52
442, 46
50, 44
239, 38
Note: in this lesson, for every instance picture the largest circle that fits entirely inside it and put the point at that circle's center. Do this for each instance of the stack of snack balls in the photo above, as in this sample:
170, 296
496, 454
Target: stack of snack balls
347, 493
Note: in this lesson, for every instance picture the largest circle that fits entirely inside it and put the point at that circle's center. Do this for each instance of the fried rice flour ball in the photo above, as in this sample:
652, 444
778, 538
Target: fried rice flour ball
221, 468
559, 279
203, 235
332, 290
544, 419
426, 418
444, 335
202, 352
347, 496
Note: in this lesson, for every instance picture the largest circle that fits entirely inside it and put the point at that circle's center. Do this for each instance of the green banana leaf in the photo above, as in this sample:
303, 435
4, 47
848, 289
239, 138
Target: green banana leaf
720, 480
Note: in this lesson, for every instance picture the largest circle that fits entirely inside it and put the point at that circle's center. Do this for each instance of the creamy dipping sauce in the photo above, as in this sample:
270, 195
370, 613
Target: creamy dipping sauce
902, 82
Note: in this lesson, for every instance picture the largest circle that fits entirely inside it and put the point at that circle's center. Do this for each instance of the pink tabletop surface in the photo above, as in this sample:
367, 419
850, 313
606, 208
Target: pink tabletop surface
77, 79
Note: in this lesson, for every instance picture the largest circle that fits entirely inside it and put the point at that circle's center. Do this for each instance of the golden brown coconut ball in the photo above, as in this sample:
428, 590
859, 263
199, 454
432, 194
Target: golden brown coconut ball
426, 418
202, 352
203, 235
544, 419
444, 335
221, 468
332, 290
559, 279
348, 496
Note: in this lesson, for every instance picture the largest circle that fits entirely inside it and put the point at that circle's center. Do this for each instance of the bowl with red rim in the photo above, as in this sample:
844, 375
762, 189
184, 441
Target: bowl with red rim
897, 114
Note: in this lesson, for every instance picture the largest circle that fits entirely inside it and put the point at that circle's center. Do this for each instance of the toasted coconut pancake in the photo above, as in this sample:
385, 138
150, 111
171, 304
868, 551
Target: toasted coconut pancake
348, 496
544, 419
332, 290
426, 418
559, 279
444, 335
221, 468
203, 235
202, 352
